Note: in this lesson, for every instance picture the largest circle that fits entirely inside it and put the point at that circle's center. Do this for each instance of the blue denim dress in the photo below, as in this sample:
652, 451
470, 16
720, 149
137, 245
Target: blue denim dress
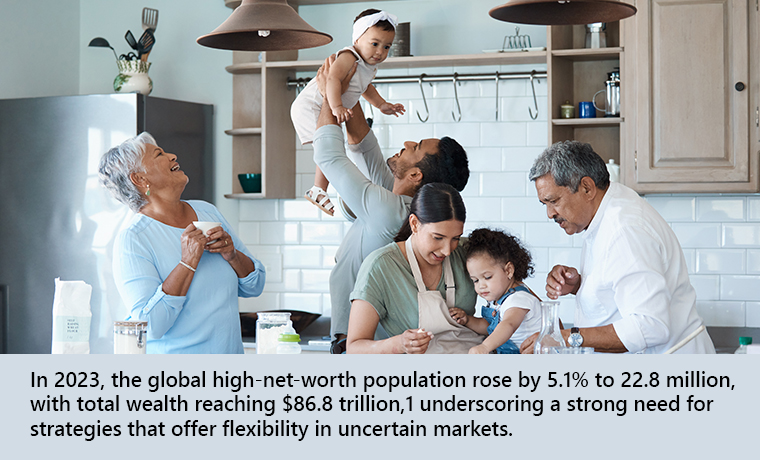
493, 317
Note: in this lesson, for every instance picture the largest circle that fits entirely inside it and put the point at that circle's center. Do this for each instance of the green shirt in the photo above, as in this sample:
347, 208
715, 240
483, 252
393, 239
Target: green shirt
385, 280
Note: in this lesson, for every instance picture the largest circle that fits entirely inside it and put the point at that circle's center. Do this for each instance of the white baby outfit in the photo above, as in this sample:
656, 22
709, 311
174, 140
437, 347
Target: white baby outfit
305, 109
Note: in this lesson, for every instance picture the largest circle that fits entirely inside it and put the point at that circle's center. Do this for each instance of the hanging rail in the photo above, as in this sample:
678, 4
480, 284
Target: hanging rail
533, 76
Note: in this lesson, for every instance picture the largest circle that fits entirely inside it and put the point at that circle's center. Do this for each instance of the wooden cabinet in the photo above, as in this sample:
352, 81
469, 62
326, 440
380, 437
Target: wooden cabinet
691, 75
575, 74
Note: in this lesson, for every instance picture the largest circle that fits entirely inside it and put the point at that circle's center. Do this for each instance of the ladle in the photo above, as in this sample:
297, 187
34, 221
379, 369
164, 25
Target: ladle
100, 42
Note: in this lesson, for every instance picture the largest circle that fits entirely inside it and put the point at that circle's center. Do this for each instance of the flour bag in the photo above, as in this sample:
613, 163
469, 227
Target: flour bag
71, 317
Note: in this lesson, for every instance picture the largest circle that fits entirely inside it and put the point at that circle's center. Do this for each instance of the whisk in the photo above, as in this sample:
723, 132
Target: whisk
516, 41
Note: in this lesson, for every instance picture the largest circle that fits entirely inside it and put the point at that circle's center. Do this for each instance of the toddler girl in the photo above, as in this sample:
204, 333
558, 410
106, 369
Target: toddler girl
498, 264
372, 36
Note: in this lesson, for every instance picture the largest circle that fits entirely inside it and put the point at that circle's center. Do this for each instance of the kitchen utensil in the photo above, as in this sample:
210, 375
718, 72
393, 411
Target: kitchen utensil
251, 183
516, 41
596, 37
300, 319
131, 40
612, 94
149, 19
100, 42
128, 57
145, 44
586, 110
688, 339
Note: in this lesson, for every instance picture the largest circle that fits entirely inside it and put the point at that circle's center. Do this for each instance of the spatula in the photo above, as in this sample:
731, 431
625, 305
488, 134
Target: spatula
145, 44
131, 40
149, 19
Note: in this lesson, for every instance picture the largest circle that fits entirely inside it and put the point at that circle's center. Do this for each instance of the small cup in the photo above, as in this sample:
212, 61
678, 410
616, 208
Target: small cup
567, 110
586, 110
205, 226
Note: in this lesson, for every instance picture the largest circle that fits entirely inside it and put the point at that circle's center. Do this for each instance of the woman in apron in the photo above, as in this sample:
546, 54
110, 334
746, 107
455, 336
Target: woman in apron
408, 286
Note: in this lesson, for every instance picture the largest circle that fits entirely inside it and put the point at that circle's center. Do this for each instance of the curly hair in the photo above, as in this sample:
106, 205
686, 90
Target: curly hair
503, 248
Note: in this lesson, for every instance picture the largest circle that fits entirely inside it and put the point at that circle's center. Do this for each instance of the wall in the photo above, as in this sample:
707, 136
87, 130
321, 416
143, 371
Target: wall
720, 234
40, 52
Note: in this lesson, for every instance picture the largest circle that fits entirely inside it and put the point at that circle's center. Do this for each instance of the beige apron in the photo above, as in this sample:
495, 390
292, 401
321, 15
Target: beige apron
448, 335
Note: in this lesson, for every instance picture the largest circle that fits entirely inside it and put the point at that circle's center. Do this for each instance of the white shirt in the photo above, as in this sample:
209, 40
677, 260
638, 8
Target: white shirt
634, 276
531, 323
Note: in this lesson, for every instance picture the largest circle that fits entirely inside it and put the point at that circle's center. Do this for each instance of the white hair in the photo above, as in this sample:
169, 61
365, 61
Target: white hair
119, 163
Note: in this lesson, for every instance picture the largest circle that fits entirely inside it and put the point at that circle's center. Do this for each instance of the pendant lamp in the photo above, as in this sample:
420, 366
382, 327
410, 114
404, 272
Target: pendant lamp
554, 13
264, 25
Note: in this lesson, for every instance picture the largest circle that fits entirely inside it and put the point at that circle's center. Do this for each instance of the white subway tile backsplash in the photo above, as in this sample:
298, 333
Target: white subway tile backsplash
698, 235
273, 264
249, 232
290, 282
482, 209
753, 209
503, 134
722, 314
328, 256
723, 261
707, 287
538, 134
520, 158
565, 256
467, 134
740, 287
741, 235
478, 109
691, 265
501, 184
540, 258
315, 280
473, 185
484, 158
398, 134
266, 301
753, 261
674, 209
301, 209
258, 210
528, 209
302, 256
547, 234
753, 314
279, 233
720, 209
321, 232
304, 302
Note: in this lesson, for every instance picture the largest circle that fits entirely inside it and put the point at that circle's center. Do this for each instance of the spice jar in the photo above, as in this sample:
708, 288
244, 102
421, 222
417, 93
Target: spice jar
288, 344
130, 337
567, 110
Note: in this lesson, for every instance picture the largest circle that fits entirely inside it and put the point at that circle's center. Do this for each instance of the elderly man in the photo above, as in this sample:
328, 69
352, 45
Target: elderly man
379, 196
633, 292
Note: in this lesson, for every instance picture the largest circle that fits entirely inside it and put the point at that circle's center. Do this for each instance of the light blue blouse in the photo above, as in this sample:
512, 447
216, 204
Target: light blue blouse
206, 320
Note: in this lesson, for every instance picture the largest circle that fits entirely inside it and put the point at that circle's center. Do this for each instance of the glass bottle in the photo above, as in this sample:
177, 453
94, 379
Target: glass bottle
550, 335
269, 326
743, 342
129, 337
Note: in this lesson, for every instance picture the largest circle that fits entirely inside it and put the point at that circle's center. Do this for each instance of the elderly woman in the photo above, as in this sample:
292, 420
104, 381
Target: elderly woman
408, 286
184, 284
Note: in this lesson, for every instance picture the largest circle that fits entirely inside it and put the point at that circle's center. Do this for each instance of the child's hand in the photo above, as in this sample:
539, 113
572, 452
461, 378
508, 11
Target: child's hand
479, 350
458, 315
392, 109
342, 113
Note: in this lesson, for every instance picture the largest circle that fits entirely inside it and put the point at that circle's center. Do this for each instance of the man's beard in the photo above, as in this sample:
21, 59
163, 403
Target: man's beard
392, 163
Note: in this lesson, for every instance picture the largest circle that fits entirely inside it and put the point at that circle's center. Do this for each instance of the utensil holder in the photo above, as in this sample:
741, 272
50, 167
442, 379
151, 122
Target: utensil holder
133, 77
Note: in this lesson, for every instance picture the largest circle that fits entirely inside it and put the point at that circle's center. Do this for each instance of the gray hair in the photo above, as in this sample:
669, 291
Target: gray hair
119, 163
570, 161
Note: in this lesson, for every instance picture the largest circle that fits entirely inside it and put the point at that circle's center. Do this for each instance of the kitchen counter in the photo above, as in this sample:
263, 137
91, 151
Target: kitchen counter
309, 344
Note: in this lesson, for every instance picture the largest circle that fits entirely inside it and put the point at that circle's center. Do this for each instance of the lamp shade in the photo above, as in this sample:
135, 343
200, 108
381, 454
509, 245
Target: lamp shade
264, 25
553, 12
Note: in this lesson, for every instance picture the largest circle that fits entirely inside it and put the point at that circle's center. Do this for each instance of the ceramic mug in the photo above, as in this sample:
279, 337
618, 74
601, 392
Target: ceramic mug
586, 110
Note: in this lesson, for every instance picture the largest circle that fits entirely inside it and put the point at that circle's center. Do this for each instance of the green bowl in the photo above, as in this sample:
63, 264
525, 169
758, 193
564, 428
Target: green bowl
251, 183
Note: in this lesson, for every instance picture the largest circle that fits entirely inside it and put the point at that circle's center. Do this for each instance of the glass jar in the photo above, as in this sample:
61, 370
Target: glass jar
130, 337
288, 344
269, 326
550, 335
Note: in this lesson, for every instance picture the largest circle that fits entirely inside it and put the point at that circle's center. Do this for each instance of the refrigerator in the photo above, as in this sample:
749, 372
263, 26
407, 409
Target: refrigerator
57, 221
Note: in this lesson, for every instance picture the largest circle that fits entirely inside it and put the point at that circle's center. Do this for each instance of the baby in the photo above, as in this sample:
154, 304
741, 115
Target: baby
372, 36
498, 264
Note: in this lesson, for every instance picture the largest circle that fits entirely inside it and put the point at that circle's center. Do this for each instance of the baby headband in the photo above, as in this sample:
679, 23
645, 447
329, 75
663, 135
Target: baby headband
362, 24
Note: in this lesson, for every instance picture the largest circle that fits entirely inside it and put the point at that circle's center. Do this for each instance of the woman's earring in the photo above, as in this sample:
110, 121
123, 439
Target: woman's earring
148, 192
